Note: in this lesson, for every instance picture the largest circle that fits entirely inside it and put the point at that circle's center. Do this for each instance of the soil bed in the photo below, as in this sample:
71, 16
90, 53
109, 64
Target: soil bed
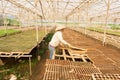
102, 57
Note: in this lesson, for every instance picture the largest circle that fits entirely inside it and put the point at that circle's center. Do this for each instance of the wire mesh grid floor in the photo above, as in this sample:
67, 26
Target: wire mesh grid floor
68, 70
106, 76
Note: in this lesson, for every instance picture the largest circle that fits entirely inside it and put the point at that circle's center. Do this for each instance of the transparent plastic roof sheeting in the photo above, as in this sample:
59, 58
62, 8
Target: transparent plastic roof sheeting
57, 9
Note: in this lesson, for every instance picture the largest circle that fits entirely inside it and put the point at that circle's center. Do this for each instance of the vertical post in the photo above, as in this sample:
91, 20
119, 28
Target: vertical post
87, 18
54, 6
30, 66
78, 19
73, 20
4, 19
66, 20
91, 21
106, 23
20, 16
45, 31
36, 26
28, 19
22, 20
37, 39
36, 29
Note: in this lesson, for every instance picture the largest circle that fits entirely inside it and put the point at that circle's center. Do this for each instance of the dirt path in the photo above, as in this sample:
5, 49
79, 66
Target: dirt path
39, 69
102, 56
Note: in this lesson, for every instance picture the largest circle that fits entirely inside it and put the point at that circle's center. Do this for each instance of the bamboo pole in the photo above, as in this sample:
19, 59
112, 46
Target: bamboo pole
66, 21
106, 22
87, 17
78, 18
4, 16
37, 29
37, 39
79, 15
30, 66
41, 6
73, 19
54, 13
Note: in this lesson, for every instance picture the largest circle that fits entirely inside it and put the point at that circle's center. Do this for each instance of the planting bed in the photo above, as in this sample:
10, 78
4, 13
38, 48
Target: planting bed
105, 60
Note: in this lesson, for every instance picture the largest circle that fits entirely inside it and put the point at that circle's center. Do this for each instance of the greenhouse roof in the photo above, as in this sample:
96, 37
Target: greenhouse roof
59, 9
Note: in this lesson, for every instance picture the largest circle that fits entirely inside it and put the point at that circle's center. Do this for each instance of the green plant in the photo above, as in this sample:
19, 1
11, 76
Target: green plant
108, 31
11, 22
8, 32
115, 26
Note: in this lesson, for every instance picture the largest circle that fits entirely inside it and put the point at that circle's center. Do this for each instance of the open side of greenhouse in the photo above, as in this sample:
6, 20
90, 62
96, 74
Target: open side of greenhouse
92, 26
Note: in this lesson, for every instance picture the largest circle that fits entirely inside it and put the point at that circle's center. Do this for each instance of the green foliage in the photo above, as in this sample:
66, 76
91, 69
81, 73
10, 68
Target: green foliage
115, 26
41, 52
113, 32
95, 29
44, 43
20, 42
11, 22
19, 69
2, 33
49, 36
8, 32
1, 22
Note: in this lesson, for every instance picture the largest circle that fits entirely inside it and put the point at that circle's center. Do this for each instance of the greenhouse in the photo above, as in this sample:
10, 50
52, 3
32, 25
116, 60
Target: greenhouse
90, 31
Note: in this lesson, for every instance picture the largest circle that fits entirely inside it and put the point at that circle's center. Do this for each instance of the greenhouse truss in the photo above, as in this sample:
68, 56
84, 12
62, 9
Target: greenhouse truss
60, 10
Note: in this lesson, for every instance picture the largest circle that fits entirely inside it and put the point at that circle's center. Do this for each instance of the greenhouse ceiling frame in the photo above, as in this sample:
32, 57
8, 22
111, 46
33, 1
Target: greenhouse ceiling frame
55, 7
23, 7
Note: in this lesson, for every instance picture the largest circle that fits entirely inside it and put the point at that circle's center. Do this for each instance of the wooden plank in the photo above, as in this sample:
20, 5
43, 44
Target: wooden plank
15, 56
